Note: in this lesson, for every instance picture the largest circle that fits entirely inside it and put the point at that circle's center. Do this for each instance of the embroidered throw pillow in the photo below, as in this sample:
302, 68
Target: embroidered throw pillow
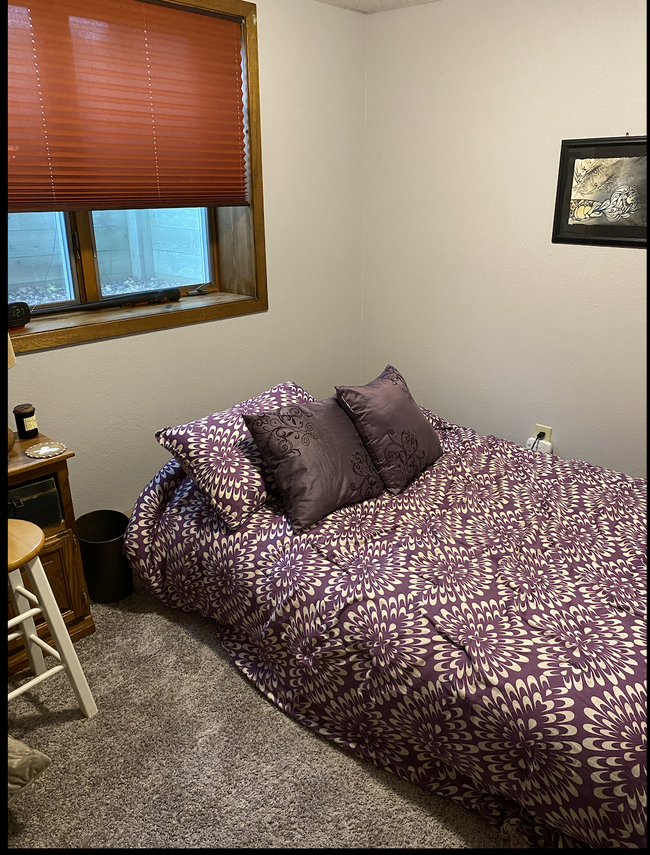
316, 457
24, 765
221, 457
399, 438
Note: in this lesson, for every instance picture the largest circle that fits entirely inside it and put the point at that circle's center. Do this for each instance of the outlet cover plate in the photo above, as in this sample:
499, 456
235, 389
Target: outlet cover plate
547, 432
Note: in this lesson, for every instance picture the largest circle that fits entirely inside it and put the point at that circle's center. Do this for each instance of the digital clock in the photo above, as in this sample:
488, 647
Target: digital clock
19, 315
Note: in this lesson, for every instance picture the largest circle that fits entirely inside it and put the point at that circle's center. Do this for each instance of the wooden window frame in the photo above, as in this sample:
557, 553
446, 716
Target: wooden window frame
237, 230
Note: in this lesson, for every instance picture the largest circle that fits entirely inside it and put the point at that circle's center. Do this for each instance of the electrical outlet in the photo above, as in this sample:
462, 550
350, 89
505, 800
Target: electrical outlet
545, 430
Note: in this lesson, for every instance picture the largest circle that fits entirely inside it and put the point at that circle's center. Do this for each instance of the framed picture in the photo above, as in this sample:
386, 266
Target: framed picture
602, 192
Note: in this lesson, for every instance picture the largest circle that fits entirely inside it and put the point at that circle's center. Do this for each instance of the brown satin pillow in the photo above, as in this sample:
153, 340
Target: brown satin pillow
398, 436
316, 457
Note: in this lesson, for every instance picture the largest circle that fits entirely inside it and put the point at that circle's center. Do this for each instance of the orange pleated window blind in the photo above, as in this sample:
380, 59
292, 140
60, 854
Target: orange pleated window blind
123, 104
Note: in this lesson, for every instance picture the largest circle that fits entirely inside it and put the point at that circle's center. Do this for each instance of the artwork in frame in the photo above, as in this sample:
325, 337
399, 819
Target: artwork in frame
602, 192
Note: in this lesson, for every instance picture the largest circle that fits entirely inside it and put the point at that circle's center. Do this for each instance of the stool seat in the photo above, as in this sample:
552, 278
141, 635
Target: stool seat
24, 541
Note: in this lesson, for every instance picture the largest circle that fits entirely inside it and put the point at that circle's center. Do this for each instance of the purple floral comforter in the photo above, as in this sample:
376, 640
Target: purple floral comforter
482, 634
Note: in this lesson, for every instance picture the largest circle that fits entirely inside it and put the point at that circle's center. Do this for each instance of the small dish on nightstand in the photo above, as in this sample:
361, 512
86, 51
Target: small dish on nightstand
45, 449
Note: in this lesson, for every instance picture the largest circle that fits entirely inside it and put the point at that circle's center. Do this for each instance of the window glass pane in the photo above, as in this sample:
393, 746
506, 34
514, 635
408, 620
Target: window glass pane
144, 250
38, 266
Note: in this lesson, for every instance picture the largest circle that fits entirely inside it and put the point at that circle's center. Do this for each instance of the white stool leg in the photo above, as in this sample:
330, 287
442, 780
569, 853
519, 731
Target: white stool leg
27, 627
61, 636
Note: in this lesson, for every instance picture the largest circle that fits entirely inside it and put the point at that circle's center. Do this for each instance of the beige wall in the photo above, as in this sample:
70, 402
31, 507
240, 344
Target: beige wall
105, 400
493, 325
467, 101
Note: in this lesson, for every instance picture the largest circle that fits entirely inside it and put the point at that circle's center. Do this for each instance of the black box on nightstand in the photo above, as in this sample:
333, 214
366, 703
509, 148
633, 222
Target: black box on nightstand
36, 501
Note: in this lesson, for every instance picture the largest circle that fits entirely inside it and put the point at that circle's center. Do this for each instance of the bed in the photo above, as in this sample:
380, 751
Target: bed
477, 628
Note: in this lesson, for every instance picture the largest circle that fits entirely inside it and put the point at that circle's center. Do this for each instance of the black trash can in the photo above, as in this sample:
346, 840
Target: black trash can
108, 574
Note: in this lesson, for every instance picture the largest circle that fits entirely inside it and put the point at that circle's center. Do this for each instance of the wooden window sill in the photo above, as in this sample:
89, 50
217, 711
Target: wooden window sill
58, 330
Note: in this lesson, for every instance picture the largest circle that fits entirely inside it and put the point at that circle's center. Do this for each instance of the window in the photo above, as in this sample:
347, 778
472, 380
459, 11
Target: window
38, 268
130, 173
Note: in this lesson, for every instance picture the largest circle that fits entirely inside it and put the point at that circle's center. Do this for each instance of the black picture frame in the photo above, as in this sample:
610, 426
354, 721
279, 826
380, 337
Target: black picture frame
602, 192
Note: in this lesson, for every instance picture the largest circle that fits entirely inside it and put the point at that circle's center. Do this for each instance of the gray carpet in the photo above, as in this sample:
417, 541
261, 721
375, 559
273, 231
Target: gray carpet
185, 752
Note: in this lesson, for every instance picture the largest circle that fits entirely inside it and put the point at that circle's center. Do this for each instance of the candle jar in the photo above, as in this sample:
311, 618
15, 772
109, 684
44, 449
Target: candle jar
26, 421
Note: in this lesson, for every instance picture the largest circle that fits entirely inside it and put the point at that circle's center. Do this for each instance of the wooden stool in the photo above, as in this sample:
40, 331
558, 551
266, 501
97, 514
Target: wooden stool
25, 541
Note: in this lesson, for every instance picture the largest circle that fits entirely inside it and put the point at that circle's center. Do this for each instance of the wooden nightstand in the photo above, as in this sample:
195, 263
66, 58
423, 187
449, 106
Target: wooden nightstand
60, 556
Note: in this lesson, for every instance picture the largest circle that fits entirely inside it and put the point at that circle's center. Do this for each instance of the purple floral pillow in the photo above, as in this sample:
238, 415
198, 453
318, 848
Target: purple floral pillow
222, 458
398, 436
316, 457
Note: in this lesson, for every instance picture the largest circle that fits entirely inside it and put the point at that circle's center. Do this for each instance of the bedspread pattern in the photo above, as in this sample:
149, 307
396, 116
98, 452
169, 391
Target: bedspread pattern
482, 634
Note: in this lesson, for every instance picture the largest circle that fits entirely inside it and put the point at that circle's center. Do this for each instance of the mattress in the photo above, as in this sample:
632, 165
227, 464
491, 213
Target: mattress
482, 634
